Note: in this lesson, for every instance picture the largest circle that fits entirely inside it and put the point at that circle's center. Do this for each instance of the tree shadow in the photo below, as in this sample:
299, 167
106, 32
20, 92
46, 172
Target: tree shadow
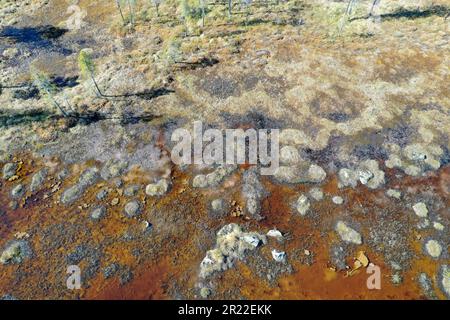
437, 10
35, 38
64, 82
202, 63
147, 94
88, 118
27, 90
10, 119
440, 11
222, 34
133, 119
154, 93
39, 35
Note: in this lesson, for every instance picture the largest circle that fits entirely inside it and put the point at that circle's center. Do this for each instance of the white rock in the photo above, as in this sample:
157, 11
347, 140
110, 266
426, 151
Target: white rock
425, 223
212, 262
412, 170
279, 256
446, 280
217, 176
396, 279
132, 208
10, 52
415, 152
393, 148
200, 181
98, 213
214, 178
9, 170
316, 194
393, 161
316, 173
37, 180
217, 204
18, 191
231, 245
205, 292
303, 205
16, 252
145, 226
365, 176
157, 189
253, 240
394, 193
293, 137
433, 247
433, 163
337, 200
289, 155
421, 209
274, 233
347, 178
288, 174
348, 234
438, 226
370, 174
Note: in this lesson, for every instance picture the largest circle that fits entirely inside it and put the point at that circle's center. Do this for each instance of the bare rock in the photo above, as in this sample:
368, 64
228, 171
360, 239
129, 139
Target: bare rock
158, 189
348, 234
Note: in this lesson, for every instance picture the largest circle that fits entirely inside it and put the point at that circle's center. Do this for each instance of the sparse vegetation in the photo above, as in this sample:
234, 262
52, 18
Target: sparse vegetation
131, 7
130, 4
119, 7
87, 69
173, 52
192, 12
156, 3
47, 89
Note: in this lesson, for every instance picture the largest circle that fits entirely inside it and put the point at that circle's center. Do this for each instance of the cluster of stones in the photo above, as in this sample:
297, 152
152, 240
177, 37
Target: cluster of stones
347, 233
367, 172
303, 203
294, 169
19, 250
231, 244
10, 173
214, 178
445, 279
87, 179
111, 169
16, 252
253, 192
414, 158
432, 247
157, 189
133, 208
277, 255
